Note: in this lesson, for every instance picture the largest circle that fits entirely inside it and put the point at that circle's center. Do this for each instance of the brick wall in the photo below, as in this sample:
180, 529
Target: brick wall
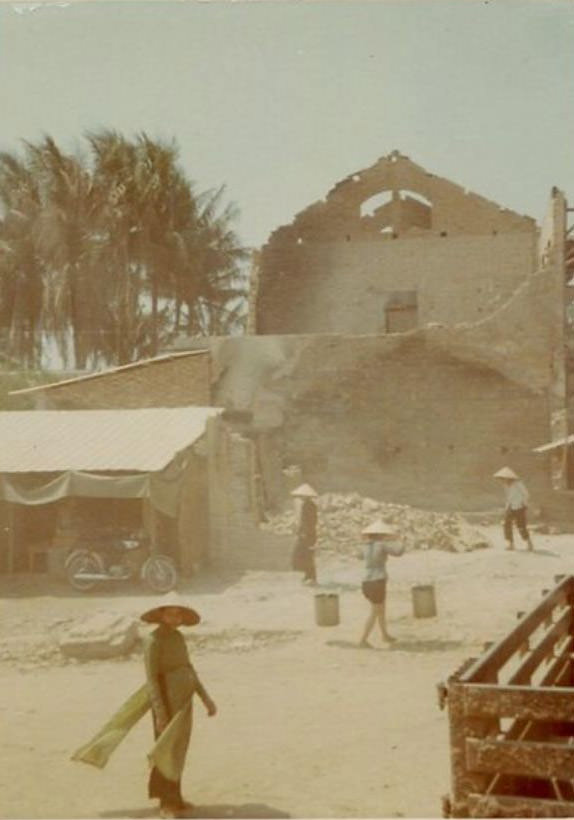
176, 381
236, 540
422, 418
345, 287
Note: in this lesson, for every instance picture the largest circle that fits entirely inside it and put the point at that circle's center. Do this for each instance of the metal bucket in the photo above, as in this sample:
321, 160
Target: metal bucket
327, 609
424, 604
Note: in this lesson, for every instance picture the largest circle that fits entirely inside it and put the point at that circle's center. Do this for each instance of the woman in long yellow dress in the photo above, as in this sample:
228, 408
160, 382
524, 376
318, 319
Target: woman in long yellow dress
172, 681
168, 692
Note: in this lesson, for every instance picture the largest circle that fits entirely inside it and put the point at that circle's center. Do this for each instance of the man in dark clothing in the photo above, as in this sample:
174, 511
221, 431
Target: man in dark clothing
303, 559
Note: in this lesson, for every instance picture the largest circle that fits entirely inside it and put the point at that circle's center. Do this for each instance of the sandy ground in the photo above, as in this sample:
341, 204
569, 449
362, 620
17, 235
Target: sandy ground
308, 724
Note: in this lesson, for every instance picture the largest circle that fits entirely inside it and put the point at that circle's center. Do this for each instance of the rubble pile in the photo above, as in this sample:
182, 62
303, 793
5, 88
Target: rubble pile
342, 517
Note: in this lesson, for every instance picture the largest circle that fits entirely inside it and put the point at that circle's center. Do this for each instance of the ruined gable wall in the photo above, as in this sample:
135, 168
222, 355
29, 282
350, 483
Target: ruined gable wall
320, 273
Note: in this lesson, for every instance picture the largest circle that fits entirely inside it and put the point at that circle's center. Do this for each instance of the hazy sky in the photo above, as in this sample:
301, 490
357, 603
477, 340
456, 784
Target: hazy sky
280, 100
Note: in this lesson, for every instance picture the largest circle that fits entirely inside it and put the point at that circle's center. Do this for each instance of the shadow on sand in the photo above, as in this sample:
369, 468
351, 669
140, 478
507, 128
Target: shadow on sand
225, 811
401, 646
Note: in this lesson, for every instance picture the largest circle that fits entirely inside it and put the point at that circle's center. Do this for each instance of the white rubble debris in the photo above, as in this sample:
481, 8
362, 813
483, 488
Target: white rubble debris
342, 517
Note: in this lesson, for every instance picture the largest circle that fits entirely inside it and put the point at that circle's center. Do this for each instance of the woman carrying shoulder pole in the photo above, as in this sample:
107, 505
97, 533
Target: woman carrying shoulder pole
381, 541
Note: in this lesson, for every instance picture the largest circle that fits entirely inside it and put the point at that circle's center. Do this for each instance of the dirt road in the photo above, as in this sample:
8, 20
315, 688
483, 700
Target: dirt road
309, 725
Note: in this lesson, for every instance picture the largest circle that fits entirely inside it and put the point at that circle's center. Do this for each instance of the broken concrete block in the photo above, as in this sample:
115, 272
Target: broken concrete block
105, 635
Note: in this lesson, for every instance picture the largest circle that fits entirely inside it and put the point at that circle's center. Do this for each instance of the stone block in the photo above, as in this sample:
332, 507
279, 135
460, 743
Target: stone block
105, 635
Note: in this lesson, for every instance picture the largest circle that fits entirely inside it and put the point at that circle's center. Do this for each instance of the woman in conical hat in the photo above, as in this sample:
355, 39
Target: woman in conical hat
304, 491
381, 541
171, 600
303, 557
515, 508
506, 474
172, 681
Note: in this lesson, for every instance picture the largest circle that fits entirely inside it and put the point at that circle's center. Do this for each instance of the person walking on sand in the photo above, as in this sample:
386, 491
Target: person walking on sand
172, 681
515, 509
303, 558
381, 541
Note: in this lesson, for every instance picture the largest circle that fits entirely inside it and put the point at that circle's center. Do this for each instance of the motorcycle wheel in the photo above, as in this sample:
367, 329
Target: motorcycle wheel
159, 573
83, 561
74, 554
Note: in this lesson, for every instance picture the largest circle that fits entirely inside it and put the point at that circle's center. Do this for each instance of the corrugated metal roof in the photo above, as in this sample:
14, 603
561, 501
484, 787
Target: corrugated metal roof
38, 441
110, 371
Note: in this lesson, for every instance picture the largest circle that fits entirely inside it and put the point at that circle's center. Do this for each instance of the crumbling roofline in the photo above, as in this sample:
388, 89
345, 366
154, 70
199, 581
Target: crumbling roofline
110, 371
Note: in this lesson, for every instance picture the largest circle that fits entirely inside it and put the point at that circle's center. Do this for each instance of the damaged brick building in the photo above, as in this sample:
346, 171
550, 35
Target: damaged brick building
405, 339
409, 338
389, 249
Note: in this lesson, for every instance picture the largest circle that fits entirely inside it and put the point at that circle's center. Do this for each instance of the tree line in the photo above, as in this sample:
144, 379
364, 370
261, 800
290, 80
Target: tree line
108, 253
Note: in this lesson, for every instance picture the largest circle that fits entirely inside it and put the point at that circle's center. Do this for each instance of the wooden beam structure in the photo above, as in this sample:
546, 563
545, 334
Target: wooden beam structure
526, 768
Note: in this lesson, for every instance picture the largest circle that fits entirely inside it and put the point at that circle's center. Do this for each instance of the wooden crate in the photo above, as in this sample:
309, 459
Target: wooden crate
511, 718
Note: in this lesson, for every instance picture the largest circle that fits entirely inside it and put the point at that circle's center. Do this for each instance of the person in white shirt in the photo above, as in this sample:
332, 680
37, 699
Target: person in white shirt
515, 509
381, 542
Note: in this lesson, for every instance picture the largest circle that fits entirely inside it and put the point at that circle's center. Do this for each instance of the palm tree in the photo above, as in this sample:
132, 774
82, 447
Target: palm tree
213, 284
21, 268
112, 253
74, 290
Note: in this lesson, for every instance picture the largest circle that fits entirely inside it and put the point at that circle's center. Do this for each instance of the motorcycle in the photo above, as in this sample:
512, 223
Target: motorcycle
120, 558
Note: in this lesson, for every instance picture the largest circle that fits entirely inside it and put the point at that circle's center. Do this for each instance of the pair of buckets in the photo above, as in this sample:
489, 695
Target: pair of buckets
327, 605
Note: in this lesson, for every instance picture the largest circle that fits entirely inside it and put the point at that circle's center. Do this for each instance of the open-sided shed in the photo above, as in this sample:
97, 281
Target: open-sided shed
63, 472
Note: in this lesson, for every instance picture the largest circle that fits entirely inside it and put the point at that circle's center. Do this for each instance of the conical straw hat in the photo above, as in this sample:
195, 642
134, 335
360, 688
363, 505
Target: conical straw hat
304, 490
171, 599
506, 472
378, 527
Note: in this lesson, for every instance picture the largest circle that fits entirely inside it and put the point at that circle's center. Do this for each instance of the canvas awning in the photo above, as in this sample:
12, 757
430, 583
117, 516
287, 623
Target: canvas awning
149, 447
553, 445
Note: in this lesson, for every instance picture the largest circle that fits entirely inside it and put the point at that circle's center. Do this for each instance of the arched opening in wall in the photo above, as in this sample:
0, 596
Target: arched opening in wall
370, 206
397, 211
414, 195
415, 211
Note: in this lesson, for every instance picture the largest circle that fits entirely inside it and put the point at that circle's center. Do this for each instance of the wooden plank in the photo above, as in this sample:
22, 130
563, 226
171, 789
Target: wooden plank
497, 655
11, 538
558, 664
542, 650
462, 781
524, 758
499, 805
525, 702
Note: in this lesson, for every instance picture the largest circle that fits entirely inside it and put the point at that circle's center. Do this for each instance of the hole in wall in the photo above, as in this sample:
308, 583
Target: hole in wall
416, 196
373, 203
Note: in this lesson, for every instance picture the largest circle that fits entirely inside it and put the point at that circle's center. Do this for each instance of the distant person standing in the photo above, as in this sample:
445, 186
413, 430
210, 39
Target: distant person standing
303, 558
381, 541
515, 509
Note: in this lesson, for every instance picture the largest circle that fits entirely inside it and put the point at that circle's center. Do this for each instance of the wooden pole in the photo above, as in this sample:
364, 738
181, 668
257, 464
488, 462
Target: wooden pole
11, 538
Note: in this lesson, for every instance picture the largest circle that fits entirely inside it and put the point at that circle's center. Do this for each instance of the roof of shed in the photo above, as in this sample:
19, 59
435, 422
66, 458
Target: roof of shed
146, 440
